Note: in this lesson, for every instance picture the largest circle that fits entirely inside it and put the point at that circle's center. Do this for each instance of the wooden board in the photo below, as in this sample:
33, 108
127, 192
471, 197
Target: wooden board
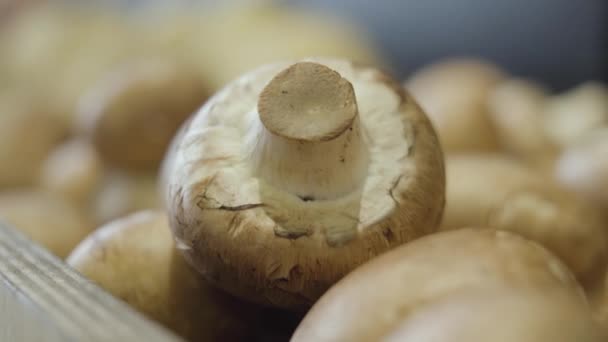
43, 299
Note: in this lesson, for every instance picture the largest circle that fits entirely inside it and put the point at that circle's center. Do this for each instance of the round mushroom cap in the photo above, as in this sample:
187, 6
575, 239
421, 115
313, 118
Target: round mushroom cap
134, 112
501, 315
73, 170
500, 193
453, 93
377, 297
134, 258
27, 134
583, 168
260, 238
47, 219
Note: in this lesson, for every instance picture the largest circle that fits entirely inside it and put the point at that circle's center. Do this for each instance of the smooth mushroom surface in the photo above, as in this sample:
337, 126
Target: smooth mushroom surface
134, 258
501, 315
583, 168
133, 113
454, 93
294, 174
27, 134
73, 170
373, 300
571, 115
47, 219
516, 109
499, 193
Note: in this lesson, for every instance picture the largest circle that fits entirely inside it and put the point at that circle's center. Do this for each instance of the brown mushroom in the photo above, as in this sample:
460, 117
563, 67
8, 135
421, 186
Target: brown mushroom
501, 315
47, 219
133, 113
74, 171
295, 174
500, 193
134, 258
454, 92
375, 299
27, 134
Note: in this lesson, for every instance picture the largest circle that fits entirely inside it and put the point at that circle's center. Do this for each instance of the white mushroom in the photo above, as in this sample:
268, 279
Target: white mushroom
296, 173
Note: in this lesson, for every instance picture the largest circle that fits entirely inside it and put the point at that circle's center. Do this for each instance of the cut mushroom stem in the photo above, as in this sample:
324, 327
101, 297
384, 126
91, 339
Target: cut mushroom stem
307, 137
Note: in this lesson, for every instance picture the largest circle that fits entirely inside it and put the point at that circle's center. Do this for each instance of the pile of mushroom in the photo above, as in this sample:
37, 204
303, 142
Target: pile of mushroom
274, 195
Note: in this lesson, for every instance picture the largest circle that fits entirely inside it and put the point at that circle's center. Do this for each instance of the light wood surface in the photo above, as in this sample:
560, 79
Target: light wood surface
42, 299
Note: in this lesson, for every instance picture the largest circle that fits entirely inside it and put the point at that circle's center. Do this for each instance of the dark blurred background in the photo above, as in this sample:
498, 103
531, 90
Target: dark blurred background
561, 42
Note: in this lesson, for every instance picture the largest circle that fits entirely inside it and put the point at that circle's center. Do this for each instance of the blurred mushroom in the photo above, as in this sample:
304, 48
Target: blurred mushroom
454, 93
583, 168
499, 193
572, 115
47, 219
517, 108
28, 132
135, 259
134, 112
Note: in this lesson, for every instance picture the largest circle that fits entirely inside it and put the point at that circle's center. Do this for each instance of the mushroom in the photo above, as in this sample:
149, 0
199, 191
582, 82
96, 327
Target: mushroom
376, 298
583, 168
454, 92
516, 109
74, 171
499, 193
133, 113
134, 259
47, 219
295, 174
27, 134
570, 116
501, 315
121, 193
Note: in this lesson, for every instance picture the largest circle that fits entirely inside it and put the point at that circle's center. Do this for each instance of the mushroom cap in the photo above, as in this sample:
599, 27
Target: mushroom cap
583, 168
453, 92
27, 134
500, 193
501, 315
134, 258
374, 299
47, 219
73, 170
133, 113
271, 246
516, 109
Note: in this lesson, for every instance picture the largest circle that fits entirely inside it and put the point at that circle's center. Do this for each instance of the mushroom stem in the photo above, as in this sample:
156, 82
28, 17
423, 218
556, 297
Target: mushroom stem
308, 138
